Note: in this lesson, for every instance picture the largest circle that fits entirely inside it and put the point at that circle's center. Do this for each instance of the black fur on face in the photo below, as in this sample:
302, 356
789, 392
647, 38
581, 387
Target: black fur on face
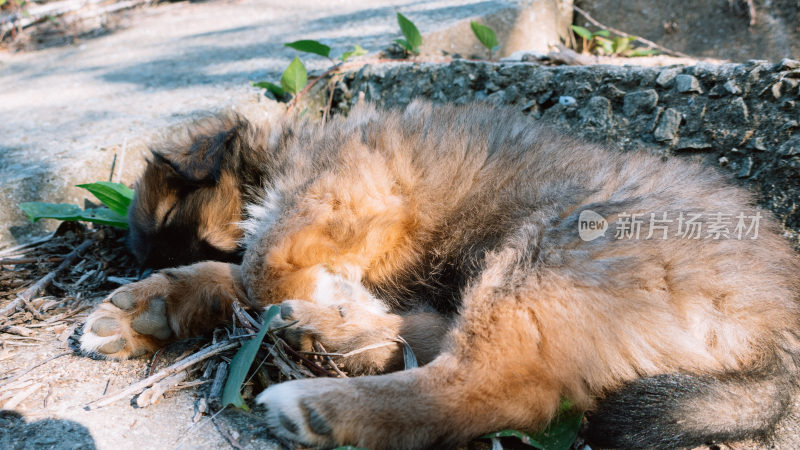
190, 198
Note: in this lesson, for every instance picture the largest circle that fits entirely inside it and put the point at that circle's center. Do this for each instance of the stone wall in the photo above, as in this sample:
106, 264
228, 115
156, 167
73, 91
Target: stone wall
740, 117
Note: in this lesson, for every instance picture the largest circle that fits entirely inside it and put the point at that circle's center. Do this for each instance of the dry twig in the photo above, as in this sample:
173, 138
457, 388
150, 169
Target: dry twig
624, 34
135, 388
36, 288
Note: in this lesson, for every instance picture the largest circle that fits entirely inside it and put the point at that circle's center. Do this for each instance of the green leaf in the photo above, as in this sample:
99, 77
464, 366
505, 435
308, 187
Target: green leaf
116, 196
104, 216
603, 33
40, 210
272, 87
606, 45
410, 31
559, 434
404, 43
582, 32
3, 2
484, 34
72, 213
643, 52
356, 51
310, 46
295, 77
242, 360
562, 431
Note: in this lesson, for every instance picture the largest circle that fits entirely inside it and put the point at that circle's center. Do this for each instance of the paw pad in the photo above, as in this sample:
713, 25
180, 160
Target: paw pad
153, 321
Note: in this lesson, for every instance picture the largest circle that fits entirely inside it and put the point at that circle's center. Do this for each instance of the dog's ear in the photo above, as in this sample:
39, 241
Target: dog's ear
208, 147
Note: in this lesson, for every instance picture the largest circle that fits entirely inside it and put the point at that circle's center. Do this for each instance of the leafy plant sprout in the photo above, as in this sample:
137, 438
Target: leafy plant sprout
601, 43
486, 36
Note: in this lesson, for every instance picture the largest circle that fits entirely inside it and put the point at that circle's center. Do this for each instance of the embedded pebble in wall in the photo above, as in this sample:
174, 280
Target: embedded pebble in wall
566, 100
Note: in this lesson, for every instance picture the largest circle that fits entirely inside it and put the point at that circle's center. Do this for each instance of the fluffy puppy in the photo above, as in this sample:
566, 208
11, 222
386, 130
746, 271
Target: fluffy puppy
522, 266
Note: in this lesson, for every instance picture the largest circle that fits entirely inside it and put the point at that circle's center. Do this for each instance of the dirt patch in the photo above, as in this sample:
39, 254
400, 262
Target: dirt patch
46, 383
737, 30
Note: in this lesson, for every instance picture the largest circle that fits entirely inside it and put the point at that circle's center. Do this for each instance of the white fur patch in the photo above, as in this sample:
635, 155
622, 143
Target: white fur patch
262, 215
90, 342
333, 290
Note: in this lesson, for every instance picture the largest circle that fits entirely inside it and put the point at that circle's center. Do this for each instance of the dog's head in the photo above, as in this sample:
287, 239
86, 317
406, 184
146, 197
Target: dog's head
190, 197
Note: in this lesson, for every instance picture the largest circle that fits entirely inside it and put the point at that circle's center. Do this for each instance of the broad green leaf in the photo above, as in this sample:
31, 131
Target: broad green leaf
104, 216
562, 431
582, 32
295, 77
40, 210
603, 33
241, 362
356, 51
116, 196
484, 34
68, 212
310, 46
410, 31
272, 87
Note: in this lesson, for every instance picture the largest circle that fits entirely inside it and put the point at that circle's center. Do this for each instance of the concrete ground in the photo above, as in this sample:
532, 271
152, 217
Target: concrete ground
66, 111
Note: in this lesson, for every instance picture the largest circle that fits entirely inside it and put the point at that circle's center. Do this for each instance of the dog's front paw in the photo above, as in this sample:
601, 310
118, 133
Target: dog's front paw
293, 412
127, 324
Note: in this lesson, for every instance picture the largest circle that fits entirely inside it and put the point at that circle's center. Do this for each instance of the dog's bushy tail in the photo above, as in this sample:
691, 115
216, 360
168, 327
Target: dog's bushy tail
679, 410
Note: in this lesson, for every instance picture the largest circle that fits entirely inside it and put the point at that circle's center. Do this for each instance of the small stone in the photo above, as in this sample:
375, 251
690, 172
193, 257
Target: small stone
775, 89
597, 112
717, 91
788, 64
737, 110
639, 102
746, 169
790, 147
667, 75
610, 91
758, 144
566, 100
541, 80
692, 144
668, 126
687, 83
723, 161
788, 125
732, 87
